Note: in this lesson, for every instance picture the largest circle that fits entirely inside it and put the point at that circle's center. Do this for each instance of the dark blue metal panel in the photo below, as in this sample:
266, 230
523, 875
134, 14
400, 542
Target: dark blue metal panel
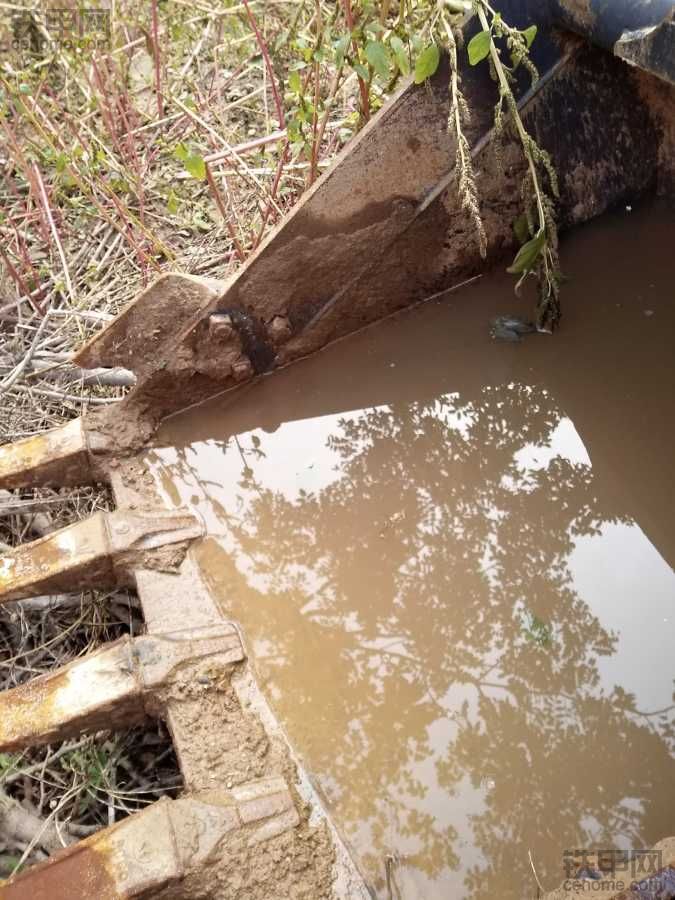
605, 21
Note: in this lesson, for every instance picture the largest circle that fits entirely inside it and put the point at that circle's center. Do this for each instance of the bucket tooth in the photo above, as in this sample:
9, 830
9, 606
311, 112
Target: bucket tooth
115, 687
100, 690
100, 551
60, 456
141, 333
160, 846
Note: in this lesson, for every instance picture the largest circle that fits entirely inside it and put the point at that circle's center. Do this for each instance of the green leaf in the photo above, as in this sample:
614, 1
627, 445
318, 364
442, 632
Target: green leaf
530, 34
521, 229
119, 185
479, 47
400, 55
195, 165
427, 63
282, 40
374, 28
341, 48
7, 760
295, 83
361, 71
378, 57
528, 253
61, 162
12, 864
172, 203
181, 152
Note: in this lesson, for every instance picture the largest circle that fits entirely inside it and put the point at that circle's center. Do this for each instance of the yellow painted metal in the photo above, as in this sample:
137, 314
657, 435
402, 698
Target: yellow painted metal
99, 551
59, 456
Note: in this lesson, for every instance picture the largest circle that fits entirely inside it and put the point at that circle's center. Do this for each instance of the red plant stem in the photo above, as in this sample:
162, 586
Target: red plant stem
134, 158
128, 231
221, 206
22, 163
268, 65
363, 87
24, 253
270, 203
20, 283
106, 110
155, 41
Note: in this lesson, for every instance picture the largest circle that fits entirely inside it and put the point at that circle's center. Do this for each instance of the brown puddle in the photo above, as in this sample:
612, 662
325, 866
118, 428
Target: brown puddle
452, 561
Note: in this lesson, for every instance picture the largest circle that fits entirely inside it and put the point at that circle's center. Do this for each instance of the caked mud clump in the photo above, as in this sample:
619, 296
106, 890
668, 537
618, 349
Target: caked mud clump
294, 865
229, 746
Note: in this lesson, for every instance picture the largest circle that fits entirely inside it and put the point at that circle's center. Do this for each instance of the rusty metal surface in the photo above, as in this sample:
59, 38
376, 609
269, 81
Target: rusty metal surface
157, 847
381, 230
189, 669
149, 325
115, 687
71, 558
59, 456
97, 691
99, 551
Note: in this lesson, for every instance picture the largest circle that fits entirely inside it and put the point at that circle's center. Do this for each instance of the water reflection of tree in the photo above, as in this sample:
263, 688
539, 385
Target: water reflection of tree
416, 571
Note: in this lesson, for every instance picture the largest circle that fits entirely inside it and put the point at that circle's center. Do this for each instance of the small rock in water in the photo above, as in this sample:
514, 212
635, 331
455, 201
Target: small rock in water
510, 328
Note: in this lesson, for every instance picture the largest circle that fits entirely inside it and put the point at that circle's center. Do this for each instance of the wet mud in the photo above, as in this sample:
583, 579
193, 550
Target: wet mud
452, 562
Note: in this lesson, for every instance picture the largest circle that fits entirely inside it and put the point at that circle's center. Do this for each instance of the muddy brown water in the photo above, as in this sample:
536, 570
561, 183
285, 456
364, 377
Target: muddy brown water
451, 559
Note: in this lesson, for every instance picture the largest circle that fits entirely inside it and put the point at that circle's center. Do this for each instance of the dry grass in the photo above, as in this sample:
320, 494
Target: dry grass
175, 148
167, 149
51, 797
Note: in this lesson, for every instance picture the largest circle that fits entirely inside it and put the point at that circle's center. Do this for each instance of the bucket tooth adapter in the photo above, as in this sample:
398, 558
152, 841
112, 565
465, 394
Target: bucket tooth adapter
117, 686
100, 551
165, 845
381, 230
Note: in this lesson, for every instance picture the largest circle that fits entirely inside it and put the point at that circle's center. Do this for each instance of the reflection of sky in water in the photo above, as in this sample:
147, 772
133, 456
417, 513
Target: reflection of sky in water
611, 571
608, 571
621, 575
442, 602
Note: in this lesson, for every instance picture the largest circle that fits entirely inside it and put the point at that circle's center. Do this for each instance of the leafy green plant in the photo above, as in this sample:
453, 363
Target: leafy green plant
379, 42
7, 763
539, 254
192, 162
537, 631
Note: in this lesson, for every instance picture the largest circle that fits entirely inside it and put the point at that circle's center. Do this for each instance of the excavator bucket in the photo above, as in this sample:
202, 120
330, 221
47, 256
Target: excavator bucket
381, 230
